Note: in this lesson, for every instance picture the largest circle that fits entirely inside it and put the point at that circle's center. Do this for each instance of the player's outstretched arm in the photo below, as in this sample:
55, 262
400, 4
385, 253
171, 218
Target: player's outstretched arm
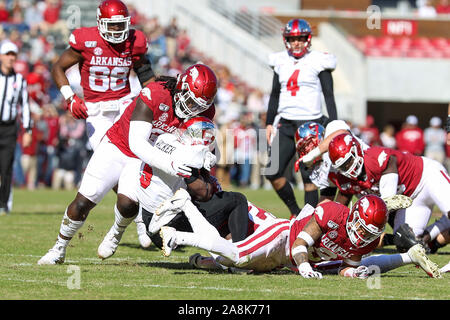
351, 268
299, 251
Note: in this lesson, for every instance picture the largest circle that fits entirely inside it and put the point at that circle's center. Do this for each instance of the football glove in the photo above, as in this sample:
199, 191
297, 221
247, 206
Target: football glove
307, 272
77, 107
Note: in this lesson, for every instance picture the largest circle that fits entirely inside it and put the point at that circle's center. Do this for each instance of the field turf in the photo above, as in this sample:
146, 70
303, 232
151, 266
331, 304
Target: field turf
136, 274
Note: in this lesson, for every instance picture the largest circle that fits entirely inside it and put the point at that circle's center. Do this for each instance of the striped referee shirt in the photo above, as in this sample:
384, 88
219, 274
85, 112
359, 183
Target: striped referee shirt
13, 93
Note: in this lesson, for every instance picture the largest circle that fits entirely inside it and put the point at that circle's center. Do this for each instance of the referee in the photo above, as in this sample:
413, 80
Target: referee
13, 93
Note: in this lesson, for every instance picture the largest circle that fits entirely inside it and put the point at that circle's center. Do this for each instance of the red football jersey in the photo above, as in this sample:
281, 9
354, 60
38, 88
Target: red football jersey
106, 67
376, 159
334, 243
409, 167
159, 100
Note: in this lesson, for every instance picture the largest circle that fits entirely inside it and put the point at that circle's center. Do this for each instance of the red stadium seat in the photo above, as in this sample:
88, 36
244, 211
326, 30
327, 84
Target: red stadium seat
420, 43
402, 43
384, 42
369, 41
439, 43
414, 53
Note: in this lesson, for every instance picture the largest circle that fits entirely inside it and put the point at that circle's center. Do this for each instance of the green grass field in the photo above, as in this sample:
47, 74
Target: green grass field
133, 273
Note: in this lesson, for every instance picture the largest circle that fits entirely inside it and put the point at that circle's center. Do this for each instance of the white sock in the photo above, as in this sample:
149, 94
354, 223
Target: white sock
212, 243
68, 229
120, 222
198, 222
387, 262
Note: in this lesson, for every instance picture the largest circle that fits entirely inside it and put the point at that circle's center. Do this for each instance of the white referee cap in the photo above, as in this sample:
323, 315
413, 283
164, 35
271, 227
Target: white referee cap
7, 47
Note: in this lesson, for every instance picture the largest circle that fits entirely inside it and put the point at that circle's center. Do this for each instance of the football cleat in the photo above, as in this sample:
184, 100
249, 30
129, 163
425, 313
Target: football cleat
55, 255
404, 238
109, 244
200, 262
419, 257
397, 202
168, 240
144, 239
175, 203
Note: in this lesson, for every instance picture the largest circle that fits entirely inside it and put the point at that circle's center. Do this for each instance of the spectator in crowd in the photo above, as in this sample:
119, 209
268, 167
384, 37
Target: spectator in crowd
171, 32
33, 16
443, 7
370, 133
69, 152
29, 159
4, 13
183, 46
51, 118
387, 137
425, 9
435, 138
410, 137
244, 150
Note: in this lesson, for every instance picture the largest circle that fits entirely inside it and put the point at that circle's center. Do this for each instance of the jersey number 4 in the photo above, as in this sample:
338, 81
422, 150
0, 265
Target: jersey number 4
292, 84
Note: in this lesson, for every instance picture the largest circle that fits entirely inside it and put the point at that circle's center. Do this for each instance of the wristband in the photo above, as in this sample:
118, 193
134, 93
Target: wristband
447, 125
305, 236
67, 92
314, 153
298, 249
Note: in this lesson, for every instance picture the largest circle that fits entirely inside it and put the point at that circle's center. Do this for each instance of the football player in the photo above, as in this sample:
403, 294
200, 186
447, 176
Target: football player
332, 231
300, 78
105, 55
225, 210
161, 107
388, 172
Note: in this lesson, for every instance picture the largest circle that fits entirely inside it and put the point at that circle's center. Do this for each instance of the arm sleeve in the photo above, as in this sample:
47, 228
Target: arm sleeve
326, 81
273, 100
139, 134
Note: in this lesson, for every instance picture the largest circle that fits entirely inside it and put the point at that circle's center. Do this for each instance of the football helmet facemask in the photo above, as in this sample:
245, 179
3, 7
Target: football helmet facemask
366, 220
297, 28
113, 21
197, 131
346, 155
196, 89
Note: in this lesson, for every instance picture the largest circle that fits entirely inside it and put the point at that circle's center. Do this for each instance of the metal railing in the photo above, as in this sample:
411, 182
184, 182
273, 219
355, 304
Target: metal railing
262, 26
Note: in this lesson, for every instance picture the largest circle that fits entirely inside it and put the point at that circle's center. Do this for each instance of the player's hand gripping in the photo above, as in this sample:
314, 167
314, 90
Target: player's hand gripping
209, 161
77, 107
306, 271
179, 169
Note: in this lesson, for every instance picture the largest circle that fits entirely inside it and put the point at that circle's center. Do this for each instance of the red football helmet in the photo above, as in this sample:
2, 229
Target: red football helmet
196, 89
366, 220
197, 130
296, 28
346, 155
113, 21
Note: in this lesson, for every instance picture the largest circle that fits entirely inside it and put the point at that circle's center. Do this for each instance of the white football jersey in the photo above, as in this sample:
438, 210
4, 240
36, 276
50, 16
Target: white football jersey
301, 92
157, 186
319, 175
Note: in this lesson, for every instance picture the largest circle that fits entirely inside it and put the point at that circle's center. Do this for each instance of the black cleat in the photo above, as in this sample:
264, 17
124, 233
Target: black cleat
404, 238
